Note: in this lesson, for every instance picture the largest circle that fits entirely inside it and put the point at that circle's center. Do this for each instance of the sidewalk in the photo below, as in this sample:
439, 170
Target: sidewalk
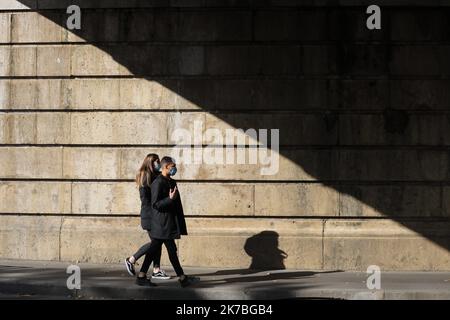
28, 279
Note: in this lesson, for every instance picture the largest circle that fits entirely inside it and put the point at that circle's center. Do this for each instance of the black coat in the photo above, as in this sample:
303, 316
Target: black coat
167, 221
146, 207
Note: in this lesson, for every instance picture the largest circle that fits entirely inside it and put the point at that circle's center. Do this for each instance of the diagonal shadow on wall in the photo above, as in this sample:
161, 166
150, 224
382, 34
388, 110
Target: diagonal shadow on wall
300, 80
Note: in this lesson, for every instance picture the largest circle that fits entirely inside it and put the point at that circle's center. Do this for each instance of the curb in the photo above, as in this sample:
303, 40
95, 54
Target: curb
175, 293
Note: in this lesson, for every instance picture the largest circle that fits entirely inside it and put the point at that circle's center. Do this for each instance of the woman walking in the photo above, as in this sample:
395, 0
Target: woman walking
168, 222
148, 172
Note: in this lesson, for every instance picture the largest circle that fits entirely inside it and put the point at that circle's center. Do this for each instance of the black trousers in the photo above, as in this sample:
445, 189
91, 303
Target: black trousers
155, 248
142, 250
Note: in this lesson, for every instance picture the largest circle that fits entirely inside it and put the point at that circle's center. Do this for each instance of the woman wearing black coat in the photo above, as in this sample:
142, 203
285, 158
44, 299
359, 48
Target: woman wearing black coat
167, 222
145, 176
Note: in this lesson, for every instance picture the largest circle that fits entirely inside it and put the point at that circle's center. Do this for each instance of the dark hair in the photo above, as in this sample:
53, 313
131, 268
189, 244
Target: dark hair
166, 161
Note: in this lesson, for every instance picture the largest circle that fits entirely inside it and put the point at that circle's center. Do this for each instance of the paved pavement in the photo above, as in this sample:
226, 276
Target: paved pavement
21, 279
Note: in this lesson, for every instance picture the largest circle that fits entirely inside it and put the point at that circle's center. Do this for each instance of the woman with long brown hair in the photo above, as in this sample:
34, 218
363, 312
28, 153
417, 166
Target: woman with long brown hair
148, 171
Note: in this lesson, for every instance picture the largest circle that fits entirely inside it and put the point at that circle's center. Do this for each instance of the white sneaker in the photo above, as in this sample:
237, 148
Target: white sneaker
161, 274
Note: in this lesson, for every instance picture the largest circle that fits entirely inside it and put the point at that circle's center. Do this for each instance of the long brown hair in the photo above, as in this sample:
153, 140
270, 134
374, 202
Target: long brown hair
147, 172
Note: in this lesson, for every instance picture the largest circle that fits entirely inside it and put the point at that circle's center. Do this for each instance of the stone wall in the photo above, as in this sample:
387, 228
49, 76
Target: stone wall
363, 116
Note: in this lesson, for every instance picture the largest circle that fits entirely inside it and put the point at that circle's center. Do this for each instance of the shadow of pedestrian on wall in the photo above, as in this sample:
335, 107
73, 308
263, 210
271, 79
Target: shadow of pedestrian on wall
264, 251
266, 255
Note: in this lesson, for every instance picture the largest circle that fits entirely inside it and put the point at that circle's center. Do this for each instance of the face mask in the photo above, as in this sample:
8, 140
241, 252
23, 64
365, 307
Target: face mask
157, 166
172, 171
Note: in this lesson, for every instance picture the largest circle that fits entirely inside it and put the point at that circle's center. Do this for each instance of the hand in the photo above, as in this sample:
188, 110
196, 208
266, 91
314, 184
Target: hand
173, 193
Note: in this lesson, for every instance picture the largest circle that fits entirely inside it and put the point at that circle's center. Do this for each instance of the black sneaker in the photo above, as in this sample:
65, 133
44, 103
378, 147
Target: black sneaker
188, 280
161, 275
144, 282
130, 267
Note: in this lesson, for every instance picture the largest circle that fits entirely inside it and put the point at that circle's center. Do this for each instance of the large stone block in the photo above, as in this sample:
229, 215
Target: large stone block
91, 93
54, 61
189, 60
105, 198
31, 162
53, 128
226, 199
416, 60
391, 201
23, 61
36, 27
295, 200
118, 128
29, 237
92, 163
252, 242
89, 60
129, 128
359, 59
398, 128
284, 94
211, 25
137, 25
23, 94
34, 94
5, 27
358, 94
251, 60
49, 94
294, 129
211, 250
41, 197
16, 128
317, 60
42, 128
142, 59
5, 92
81, 240
392, 165
427, 94
357, 244
211, 94
146, 94
290, 25
424, 25
5, 61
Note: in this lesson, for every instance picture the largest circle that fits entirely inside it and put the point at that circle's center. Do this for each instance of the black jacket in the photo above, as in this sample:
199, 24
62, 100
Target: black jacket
146, 207
167, 221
